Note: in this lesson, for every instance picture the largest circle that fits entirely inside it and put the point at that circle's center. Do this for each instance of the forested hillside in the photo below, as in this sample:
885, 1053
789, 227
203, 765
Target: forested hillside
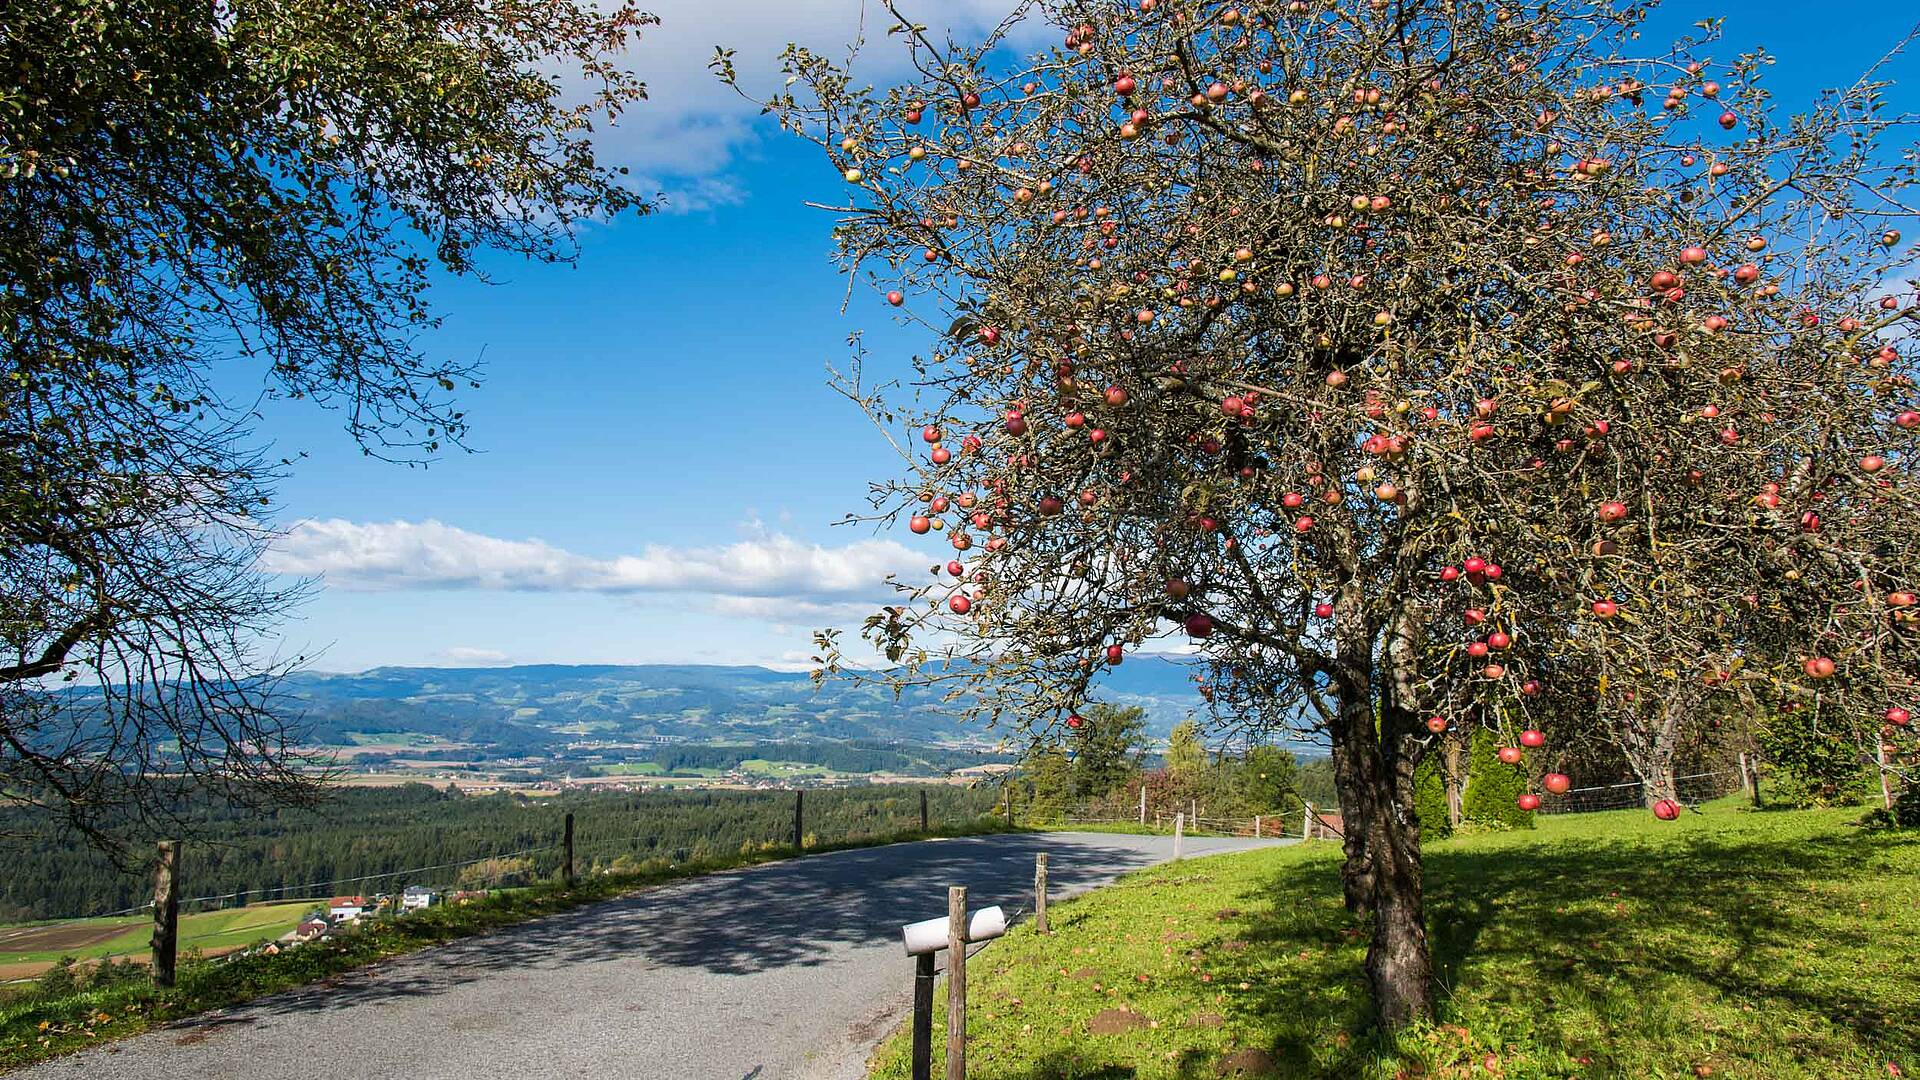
367, 831
539, 707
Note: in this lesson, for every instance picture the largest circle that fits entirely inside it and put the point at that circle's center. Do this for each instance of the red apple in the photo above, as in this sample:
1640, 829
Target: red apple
1511, 754
1323, 610
1115, 654
1558, 783
1436, 724
1666, 810
1528, 802
1199, 624
1820, 667
1611, 511
1533, 737
959, 604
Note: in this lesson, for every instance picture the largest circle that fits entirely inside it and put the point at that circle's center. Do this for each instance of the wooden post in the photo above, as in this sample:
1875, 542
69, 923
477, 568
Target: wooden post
1193, 812
566, 868
1886, 788
1143, 802
166, 913
1256, 826
1040, 893
923, 1016
1306, 822
923, 809
1156, 821
957, 982
799, 808
1006, 801
1179, 834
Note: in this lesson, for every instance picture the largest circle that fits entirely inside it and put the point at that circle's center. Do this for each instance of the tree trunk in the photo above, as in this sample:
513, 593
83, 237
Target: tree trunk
1399, 962
1452, 773
1382, 875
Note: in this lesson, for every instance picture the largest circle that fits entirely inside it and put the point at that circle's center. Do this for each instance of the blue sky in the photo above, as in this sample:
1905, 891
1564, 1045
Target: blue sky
660, 458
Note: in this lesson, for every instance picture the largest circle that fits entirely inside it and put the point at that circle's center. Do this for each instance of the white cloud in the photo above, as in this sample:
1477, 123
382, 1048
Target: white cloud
691, 127
468, 656
769, 575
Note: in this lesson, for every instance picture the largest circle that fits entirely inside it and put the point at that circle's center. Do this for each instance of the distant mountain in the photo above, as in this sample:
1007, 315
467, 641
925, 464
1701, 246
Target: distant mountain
534, 708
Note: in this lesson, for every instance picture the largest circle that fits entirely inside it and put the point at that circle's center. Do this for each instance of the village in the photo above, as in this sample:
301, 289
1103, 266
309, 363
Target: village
343, 914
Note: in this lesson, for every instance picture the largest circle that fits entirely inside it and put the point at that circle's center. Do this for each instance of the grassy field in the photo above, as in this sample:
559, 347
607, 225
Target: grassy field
1740, 944
25, 951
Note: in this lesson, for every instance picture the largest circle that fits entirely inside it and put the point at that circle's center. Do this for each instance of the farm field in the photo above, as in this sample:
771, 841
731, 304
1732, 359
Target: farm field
1731, 943
26, 951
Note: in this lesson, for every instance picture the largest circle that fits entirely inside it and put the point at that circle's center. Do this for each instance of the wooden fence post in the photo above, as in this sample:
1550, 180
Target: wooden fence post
923, 1016
1886, 788
166, 913
1179, 834
1256, 826
1750, 778
1040, 893
566, 868
1193, 812
1006, 800
923, 809
799, 807
1306, 822
957, 982
1143, 802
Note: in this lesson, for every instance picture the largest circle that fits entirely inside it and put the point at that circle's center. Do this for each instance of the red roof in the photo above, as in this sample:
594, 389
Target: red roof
343, 901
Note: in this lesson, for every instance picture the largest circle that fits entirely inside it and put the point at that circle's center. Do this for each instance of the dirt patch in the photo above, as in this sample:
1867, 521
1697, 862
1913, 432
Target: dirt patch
1115, 1021
1086, 973
66, 937
1246, 1063
1206, 1020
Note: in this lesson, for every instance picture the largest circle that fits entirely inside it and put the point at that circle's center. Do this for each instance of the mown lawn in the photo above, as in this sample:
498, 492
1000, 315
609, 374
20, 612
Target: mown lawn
1731, 943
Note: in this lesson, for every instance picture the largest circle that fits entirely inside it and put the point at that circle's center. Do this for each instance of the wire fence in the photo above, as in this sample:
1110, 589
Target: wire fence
1688, 790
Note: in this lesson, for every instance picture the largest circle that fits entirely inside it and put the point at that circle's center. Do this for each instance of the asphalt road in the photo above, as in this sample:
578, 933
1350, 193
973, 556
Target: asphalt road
788, 970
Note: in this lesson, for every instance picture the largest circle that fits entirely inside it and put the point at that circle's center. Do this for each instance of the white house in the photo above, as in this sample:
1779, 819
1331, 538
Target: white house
343, 908
416, 897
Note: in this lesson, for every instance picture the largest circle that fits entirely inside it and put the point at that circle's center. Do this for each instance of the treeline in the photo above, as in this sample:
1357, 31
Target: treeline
363, 832
847, 757
857, 756
1098, 768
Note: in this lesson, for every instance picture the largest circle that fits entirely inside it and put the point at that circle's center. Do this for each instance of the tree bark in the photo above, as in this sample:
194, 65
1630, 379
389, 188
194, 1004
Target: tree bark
1451, 773
1374, 763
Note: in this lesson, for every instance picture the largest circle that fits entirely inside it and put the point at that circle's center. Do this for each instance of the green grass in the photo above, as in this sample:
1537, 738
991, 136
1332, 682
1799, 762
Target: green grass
1729, 944
206, 930
35, 1026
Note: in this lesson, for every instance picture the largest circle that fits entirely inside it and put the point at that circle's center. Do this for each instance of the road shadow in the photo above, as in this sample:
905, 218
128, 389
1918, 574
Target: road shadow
799, 912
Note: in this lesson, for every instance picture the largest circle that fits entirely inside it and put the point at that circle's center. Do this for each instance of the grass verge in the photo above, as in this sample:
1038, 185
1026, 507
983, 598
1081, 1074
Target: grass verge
1732, 944
35, 1026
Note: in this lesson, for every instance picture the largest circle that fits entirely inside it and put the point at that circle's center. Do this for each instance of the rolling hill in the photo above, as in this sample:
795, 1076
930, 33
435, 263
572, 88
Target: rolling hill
534, 708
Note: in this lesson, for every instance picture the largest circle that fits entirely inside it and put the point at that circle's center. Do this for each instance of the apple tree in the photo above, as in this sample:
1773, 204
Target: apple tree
202, 203
1406, 359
